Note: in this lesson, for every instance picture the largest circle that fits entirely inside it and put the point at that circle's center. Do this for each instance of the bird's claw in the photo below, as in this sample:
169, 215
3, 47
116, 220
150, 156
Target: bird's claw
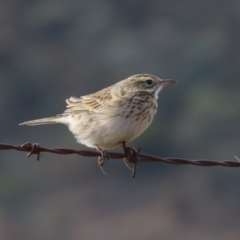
131, 156
104, 156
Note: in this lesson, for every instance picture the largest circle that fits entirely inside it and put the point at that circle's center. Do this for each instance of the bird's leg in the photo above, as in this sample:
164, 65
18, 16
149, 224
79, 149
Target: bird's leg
102, 158
126, 152
131, 155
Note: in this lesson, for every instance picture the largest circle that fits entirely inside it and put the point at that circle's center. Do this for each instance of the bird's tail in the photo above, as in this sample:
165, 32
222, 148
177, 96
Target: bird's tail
49, 120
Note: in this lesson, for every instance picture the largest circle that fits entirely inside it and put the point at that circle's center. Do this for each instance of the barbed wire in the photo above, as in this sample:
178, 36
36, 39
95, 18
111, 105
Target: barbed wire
130, 155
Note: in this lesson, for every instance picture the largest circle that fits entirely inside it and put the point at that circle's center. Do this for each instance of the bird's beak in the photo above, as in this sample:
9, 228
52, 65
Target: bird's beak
168, 81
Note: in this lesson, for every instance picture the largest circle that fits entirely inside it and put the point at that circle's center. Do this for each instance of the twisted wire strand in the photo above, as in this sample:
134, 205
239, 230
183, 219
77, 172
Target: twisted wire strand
34, 148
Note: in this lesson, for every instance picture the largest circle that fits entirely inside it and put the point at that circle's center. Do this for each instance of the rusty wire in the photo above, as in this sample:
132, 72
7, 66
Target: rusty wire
34, 148
134, 156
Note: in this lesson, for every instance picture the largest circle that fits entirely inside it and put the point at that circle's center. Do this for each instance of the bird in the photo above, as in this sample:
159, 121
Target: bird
113, 116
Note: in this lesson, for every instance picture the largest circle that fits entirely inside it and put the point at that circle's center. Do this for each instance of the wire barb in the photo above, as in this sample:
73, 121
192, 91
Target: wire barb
130, 155
34, 149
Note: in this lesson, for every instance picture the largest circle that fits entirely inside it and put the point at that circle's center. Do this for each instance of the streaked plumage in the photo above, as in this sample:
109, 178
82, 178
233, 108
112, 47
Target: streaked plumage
112, 115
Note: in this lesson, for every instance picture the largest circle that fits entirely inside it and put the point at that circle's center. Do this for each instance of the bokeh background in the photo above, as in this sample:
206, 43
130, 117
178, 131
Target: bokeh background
53, 49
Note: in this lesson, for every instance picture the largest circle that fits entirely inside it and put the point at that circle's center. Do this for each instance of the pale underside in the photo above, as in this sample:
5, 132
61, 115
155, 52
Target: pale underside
109, 117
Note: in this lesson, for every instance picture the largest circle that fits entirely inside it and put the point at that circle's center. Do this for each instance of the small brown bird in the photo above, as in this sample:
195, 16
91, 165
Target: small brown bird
113, 115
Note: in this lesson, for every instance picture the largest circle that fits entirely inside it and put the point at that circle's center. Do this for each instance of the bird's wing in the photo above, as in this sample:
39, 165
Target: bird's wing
74, 104
99, 102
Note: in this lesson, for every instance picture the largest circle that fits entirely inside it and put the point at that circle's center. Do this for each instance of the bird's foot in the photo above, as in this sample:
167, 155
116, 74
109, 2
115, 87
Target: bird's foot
104, 156
131, 156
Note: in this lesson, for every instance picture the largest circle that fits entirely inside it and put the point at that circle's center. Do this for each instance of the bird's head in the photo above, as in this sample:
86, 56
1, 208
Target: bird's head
146, 82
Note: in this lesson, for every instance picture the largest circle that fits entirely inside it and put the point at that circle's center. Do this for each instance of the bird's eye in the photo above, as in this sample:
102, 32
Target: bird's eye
149, 82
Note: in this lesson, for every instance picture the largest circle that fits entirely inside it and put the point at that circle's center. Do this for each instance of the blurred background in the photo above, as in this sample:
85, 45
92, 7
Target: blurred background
53, 49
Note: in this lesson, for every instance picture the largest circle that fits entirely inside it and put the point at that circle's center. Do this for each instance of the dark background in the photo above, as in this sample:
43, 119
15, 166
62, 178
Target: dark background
53, 49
